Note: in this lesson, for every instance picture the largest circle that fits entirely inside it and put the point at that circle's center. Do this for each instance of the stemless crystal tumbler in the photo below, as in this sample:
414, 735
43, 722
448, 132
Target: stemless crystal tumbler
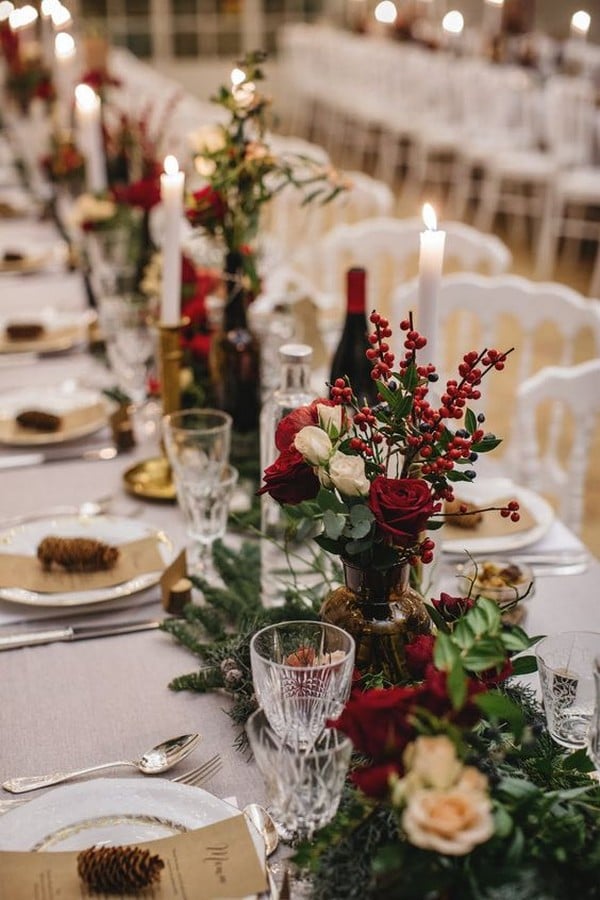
197, 442
296, 667
566, 667
303, 785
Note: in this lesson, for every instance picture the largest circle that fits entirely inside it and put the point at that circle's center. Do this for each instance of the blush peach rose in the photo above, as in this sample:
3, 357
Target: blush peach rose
451, 822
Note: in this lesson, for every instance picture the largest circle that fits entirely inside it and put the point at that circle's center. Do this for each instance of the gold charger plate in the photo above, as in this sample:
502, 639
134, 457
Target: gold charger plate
151, 480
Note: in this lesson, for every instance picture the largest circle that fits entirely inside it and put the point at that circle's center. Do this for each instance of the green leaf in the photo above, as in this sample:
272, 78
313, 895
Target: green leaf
360, 529
516, 788
486, 653
486, 444
524, 665
334, 524
499, 707
485, 617
463, 634
470, 421
356, 547
360, 513
329, 500
445, 653
327, 544
457, 685
579, 762
515, 639
503, 822
437, 619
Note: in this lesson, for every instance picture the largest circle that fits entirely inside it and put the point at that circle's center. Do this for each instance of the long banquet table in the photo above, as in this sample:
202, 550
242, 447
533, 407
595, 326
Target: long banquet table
67, 705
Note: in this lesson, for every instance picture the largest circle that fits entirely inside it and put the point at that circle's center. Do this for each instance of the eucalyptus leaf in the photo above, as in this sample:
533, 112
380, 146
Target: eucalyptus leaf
334, 524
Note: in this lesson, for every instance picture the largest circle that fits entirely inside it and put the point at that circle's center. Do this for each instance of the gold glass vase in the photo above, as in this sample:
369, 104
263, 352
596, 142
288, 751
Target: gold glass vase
382, 612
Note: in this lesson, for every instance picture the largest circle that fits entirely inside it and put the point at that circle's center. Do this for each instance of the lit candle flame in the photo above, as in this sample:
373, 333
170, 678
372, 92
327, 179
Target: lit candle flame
237, 76
171, 165
60, 16
386, 12
580, 21
6, 8
453, 22
86, 97
22, 16
64, 45
429, 217
47, 7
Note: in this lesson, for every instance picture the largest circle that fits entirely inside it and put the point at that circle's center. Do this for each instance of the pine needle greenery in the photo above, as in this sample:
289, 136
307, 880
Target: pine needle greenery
219, 630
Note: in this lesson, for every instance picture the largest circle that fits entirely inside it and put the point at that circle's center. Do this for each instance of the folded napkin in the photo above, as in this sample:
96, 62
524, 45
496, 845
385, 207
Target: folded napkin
218, 861
26, 572
72, 423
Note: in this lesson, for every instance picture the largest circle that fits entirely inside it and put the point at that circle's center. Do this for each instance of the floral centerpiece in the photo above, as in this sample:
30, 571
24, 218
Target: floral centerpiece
458, 789
375, 479
242, 173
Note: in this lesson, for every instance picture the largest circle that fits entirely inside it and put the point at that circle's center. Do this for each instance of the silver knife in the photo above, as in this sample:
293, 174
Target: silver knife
37, 459
72, 633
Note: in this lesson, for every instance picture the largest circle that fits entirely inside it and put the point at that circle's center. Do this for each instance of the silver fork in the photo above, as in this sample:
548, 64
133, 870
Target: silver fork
201, 773
194, 777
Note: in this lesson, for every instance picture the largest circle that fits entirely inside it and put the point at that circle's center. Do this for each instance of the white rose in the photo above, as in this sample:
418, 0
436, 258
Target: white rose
451, 822
330, 418
88, 208
207, 139
314, 444
347, 474
432, 762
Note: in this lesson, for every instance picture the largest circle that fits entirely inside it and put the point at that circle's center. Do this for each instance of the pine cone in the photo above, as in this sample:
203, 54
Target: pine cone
118, 870
76, 554
38, 420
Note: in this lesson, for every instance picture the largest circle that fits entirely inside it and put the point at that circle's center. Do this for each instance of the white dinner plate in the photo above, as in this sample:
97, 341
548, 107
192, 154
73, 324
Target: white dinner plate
24, 540
62, 330
483, 492
58, 400
112, 811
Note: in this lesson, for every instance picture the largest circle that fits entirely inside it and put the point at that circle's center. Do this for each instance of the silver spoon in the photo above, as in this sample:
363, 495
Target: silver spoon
264, 824
162, 757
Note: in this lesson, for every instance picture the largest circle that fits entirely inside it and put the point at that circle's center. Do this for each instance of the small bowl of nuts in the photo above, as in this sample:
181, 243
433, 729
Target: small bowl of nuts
502, 580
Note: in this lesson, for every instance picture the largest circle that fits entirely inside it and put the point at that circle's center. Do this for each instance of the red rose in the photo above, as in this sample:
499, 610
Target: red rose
299, 418
290, 479
494, 676
401, 506
419, 654
377, 721
188, 270
144, 193
199, 345
207, 207
374, 781
452, 608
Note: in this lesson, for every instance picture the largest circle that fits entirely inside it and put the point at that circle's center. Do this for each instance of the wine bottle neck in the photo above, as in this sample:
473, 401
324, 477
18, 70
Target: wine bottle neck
235, 307
356, 292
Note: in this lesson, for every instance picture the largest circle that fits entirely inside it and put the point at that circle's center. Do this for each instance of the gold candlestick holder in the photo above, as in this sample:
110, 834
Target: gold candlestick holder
151, 479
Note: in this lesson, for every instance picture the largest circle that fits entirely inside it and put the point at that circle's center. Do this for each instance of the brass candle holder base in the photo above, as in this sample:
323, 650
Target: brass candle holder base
151, 479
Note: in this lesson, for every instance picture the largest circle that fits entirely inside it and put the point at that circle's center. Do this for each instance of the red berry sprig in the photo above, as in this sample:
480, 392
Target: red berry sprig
379, 353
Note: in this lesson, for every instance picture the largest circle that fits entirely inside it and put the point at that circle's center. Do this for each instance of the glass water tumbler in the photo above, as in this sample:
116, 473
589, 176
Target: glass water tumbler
302, 674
